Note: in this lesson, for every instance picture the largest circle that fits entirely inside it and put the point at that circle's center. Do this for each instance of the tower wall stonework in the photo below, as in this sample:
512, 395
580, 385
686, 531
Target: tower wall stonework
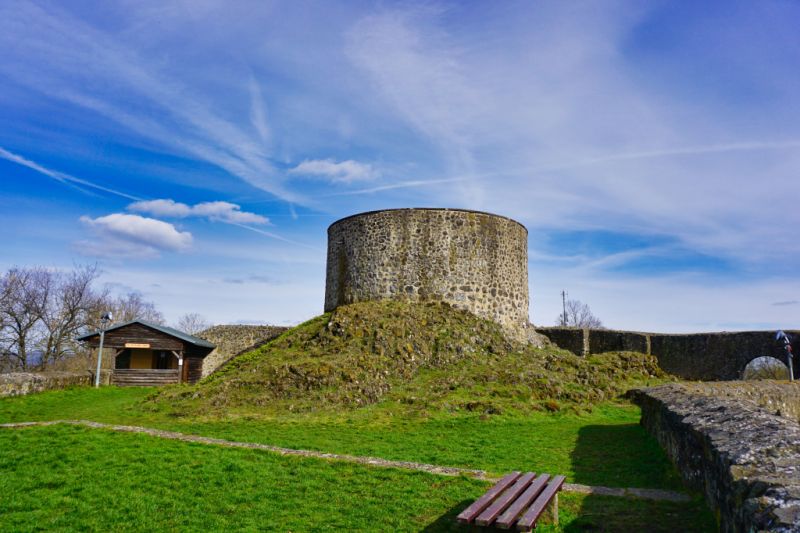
471, 260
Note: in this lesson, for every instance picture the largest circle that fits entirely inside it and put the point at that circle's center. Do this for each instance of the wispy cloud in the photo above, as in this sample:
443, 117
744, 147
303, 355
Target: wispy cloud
258, 111
419, 71
336, 172
786, 303
221, 211
67, 59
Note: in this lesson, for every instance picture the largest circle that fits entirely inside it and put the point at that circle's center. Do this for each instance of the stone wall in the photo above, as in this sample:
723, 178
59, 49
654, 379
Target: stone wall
234, 340
716, 356
21, 383
696, 356
745, 459
471, 260
576, 340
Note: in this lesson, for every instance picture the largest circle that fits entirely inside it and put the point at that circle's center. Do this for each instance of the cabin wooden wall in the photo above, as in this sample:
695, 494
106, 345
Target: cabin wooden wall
194, 369
139, 334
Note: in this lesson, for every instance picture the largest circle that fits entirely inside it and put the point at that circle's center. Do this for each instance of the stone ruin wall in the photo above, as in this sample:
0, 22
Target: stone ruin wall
21, 383
234, 340
474, 261
735, 442
696, 356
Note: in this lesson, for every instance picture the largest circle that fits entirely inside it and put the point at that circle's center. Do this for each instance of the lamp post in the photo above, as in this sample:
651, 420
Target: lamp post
787, 345
103, 321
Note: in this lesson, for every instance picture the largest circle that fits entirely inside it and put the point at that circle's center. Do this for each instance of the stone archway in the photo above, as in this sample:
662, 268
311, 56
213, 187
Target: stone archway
765, 367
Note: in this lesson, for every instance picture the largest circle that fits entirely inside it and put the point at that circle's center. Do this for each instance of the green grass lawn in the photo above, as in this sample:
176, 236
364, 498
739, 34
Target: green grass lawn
69, 478
604, 447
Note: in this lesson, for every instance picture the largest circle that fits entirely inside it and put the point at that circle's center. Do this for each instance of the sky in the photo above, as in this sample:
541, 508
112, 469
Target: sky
197, 150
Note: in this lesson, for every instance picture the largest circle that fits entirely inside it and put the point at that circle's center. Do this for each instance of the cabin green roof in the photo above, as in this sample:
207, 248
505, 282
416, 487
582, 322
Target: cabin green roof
197, 341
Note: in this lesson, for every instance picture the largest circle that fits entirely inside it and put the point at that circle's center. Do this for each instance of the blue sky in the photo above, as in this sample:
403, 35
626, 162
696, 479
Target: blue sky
198, 150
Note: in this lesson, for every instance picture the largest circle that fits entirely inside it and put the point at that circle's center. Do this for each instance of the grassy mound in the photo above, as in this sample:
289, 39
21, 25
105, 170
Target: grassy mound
424, 356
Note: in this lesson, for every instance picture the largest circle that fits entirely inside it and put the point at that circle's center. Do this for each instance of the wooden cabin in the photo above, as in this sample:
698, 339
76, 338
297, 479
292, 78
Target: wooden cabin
148, 354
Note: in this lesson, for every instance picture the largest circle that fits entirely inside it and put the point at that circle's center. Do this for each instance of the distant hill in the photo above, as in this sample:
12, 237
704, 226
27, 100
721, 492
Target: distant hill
422, 356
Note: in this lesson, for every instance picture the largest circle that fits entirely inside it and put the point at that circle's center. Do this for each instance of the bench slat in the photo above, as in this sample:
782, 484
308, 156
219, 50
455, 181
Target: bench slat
467, 515
506, 520
505, 499
532, 515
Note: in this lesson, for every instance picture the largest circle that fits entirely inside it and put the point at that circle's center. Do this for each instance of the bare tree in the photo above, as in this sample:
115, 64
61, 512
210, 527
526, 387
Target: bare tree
578, 315
43, 310
133, 306
192, 323
70, 307
24, 293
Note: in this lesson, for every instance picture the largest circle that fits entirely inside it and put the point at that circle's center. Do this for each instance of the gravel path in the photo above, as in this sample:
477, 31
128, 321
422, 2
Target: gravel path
648, 494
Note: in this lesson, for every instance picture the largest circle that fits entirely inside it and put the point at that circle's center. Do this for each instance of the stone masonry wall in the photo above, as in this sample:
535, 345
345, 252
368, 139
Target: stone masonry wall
745, 459
697, 356
21, 383
471, 260
234, 340
576, 340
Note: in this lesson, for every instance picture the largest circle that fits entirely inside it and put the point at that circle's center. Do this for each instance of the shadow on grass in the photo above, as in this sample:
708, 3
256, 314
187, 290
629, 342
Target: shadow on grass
447, 522
616, 455
621, 455
625, 455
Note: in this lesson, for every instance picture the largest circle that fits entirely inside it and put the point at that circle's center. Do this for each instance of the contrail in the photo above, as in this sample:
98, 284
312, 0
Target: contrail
274, 236
698, 150
650, 154
399, 185
60, 176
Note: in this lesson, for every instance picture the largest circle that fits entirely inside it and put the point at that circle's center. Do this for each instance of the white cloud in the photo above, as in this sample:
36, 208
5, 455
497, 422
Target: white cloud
124, 234
221, 211
227, 212
161, 208
341, 172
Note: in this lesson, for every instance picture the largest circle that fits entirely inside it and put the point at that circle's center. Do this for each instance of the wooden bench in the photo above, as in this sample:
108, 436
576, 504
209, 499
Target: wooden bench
516, 500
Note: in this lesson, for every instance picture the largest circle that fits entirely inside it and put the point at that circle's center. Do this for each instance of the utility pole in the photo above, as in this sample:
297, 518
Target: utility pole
564, 306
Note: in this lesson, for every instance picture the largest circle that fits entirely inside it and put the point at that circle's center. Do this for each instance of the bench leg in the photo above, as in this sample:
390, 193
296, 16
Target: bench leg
550, 513
555, 509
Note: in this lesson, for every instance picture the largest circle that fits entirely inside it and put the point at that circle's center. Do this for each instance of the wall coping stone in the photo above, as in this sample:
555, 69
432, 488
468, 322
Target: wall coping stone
374, 211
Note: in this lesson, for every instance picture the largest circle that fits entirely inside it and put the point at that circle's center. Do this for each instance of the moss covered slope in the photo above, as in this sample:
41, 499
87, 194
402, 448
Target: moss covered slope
425, 355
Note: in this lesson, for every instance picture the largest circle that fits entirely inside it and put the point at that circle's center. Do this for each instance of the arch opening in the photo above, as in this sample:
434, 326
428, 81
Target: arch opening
765, 367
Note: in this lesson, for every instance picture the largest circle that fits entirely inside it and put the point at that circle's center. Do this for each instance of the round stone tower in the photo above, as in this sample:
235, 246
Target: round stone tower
471, 260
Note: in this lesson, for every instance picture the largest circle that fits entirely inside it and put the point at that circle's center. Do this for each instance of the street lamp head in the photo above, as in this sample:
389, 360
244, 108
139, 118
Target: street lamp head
106, 317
